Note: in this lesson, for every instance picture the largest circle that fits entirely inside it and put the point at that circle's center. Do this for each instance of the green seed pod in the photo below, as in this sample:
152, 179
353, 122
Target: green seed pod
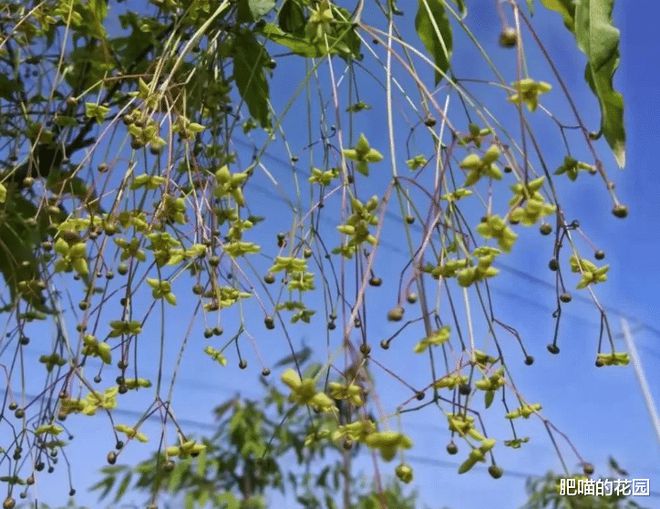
545, 229
620, 211
269, 322
411, 298
588, 468
404, 473
599, 254
395, 314
410, 219
452, 448
565, 297
365, 349
9, 503
508, 37
269, 278
553, 349
122, 269
375, 281
495, 471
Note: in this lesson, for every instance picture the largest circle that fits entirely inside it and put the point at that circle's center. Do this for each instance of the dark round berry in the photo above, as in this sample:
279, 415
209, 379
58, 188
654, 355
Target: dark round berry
411, 297
565, 297
529, 360
395, 314
508, 37
620, 211
545, 229
385, 344
269, 278
553, 349
588, 468
553, 265
464, 389
242, 364
452, 448
365, 349
111, 458
269, 322
375, 281
495, 471
599, 254
265, 372
410, 219
420, 395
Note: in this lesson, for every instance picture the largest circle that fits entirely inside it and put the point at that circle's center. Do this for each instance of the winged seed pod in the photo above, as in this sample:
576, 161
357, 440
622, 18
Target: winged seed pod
484, 166
528, 92
303, 392
439, 337
388, 443
363, 154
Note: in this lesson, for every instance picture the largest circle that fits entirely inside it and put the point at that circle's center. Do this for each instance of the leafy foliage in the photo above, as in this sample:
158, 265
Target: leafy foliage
140, 144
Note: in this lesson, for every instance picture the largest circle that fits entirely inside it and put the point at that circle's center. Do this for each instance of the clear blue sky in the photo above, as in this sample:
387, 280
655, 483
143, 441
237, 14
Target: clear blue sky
601, 410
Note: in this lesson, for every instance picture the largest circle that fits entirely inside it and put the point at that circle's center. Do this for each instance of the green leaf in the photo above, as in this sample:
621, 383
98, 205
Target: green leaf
462, 8
434, 30
292, 18
599, 40
564, 7
260, 8
249, 60
3, 193
123, 486
488, 398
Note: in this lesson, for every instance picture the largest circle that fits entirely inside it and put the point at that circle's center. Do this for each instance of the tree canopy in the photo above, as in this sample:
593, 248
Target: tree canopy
184, 177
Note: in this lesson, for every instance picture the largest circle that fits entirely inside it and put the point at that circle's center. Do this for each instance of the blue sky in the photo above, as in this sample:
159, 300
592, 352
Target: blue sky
600, 409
